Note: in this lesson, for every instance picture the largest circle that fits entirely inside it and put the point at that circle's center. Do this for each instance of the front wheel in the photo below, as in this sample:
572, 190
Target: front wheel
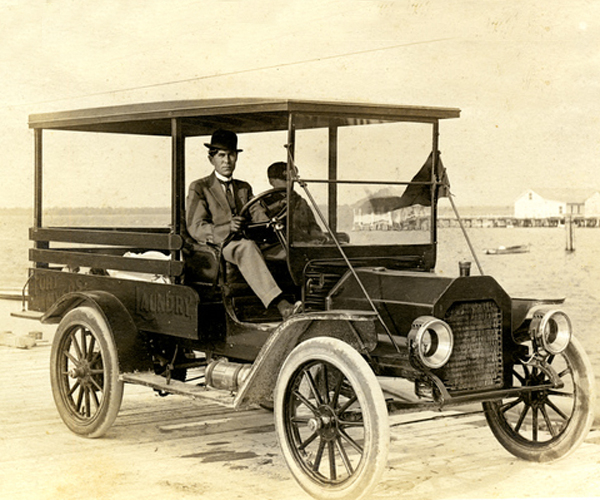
547, 424
331, 420
84, 373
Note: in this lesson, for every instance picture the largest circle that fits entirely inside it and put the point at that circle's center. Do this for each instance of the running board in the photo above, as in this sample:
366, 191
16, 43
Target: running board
150, 379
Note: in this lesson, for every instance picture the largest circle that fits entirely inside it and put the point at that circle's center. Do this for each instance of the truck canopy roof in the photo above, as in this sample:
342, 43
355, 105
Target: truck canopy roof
202, 117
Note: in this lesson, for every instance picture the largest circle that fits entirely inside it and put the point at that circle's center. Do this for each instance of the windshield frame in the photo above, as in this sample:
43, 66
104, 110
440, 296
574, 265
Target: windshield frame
419, 256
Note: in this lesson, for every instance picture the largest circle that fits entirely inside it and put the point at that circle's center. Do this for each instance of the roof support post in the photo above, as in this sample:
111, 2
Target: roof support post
37, 195
291, 175
177, 181
434, 178
332, 176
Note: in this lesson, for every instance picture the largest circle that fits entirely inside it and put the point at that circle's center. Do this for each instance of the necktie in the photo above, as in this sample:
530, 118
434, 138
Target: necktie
230, 197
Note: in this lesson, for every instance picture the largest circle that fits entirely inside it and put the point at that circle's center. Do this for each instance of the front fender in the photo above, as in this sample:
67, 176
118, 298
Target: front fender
131, 348
522, 310
356, 328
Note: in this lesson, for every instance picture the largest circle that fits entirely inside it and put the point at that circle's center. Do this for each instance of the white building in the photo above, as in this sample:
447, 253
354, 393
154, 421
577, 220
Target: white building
550, 203
413, 217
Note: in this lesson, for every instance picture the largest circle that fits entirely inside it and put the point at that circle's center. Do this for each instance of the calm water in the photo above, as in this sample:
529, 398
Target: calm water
546, 271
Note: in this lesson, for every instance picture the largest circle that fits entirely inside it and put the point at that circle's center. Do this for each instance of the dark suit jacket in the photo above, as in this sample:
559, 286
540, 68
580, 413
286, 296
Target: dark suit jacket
207, 212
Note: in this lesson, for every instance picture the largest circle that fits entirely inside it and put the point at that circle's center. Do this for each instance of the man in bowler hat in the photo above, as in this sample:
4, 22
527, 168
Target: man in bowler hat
212, 216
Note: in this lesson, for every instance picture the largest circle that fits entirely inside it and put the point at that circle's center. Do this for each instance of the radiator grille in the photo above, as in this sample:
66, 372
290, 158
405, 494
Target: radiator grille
476, 361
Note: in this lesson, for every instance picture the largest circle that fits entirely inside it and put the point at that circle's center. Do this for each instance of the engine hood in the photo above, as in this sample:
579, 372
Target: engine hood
402, 296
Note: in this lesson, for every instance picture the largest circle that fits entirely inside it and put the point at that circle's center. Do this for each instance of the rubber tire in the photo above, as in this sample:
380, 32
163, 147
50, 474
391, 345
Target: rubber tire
374, 414
110, 394
577, 426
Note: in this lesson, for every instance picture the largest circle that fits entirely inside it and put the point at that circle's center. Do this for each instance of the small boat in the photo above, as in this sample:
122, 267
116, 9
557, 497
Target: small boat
501, 250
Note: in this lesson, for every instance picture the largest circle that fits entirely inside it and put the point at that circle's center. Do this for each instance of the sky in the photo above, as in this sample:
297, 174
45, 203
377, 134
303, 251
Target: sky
525, 74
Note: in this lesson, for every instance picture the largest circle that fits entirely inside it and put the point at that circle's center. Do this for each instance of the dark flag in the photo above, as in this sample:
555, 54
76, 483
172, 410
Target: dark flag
418, 192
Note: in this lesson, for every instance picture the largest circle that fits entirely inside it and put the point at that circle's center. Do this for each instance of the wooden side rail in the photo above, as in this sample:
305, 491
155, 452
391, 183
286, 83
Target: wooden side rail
104, 261
119, 251
130, 238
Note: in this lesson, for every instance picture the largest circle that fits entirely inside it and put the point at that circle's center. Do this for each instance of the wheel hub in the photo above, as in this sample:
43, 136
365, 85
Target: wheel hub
324, 423
81, 372
536, 399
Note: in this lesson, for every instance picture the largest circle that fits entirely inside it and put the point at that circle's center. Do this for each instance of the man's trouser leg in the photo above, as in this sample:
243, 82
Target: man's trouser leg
246, 255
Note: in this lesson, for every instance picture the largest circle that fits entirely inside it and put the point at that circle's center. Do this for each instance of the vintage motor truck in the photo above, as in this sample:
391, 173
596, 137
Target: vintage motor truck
138, 301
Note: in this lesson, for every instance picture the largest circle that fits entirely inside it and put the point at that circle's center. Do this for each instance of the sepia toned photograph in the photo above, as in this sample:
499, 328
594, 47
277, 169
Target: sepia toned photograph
331, 250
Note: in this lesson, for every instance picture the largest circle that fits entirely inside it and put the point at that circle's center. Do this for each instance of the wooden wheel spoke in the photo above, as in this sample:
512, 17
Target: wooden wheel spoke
96, 384
306, 402
351, 441
519, 377
557, 409
97, 357
325, 376
534, 423
318, 456
337, 391
308, 441
508, 406
566, 371
88, 409
300, 420
91, 347
344, 456
313, 387
350, 423
95, 399
347, 405
72, 358
84, 347
521, 418
75, 343
73, 389
553, 392
332, 467
79, 400
548, 421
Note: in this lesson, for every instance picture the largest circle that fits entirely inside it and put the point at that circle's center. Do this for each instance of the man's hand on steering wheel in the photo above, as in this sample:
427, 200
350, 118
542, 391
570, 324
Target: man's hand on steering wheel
274, 206
237, 224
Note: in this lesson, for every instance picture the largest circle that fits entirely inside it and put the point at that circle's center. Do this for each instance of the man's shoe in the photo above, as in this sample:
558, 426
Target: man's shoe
286, 309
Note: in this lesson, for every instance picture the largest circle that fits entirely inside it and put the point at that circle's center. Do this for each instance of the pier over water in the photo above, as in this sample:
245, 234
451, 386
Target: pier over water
509, 221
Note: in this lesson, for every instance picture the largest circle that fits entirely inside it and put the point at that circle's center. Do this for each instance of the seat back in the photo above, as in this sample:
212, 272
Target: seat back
202, 264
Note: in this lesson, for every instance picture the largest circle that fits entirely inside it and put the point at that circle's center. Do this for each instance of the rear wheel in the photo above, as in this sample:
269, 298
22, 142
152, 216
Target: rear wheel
84, 373
331, 420
547, 424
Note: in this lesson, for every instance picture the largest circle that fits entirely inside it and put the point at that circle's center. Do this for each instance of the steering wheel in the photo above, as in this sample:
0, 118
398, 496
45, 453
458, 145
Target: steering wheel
274, 204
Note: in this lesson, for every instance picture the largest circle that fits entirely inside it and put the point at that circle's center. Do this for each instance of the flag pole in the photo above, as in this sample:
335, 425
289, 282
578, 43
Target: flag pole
462, 226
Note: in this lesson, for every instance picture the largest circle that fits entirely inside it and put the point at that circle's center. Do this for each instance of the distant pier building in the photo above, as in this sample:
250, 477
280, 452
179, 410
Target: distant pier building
533, 208
544, 207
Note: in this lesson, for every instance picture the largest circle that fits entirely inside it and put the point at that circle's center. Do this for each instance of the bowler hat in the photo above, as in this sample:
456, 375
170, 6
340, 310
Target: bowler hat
223, 139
